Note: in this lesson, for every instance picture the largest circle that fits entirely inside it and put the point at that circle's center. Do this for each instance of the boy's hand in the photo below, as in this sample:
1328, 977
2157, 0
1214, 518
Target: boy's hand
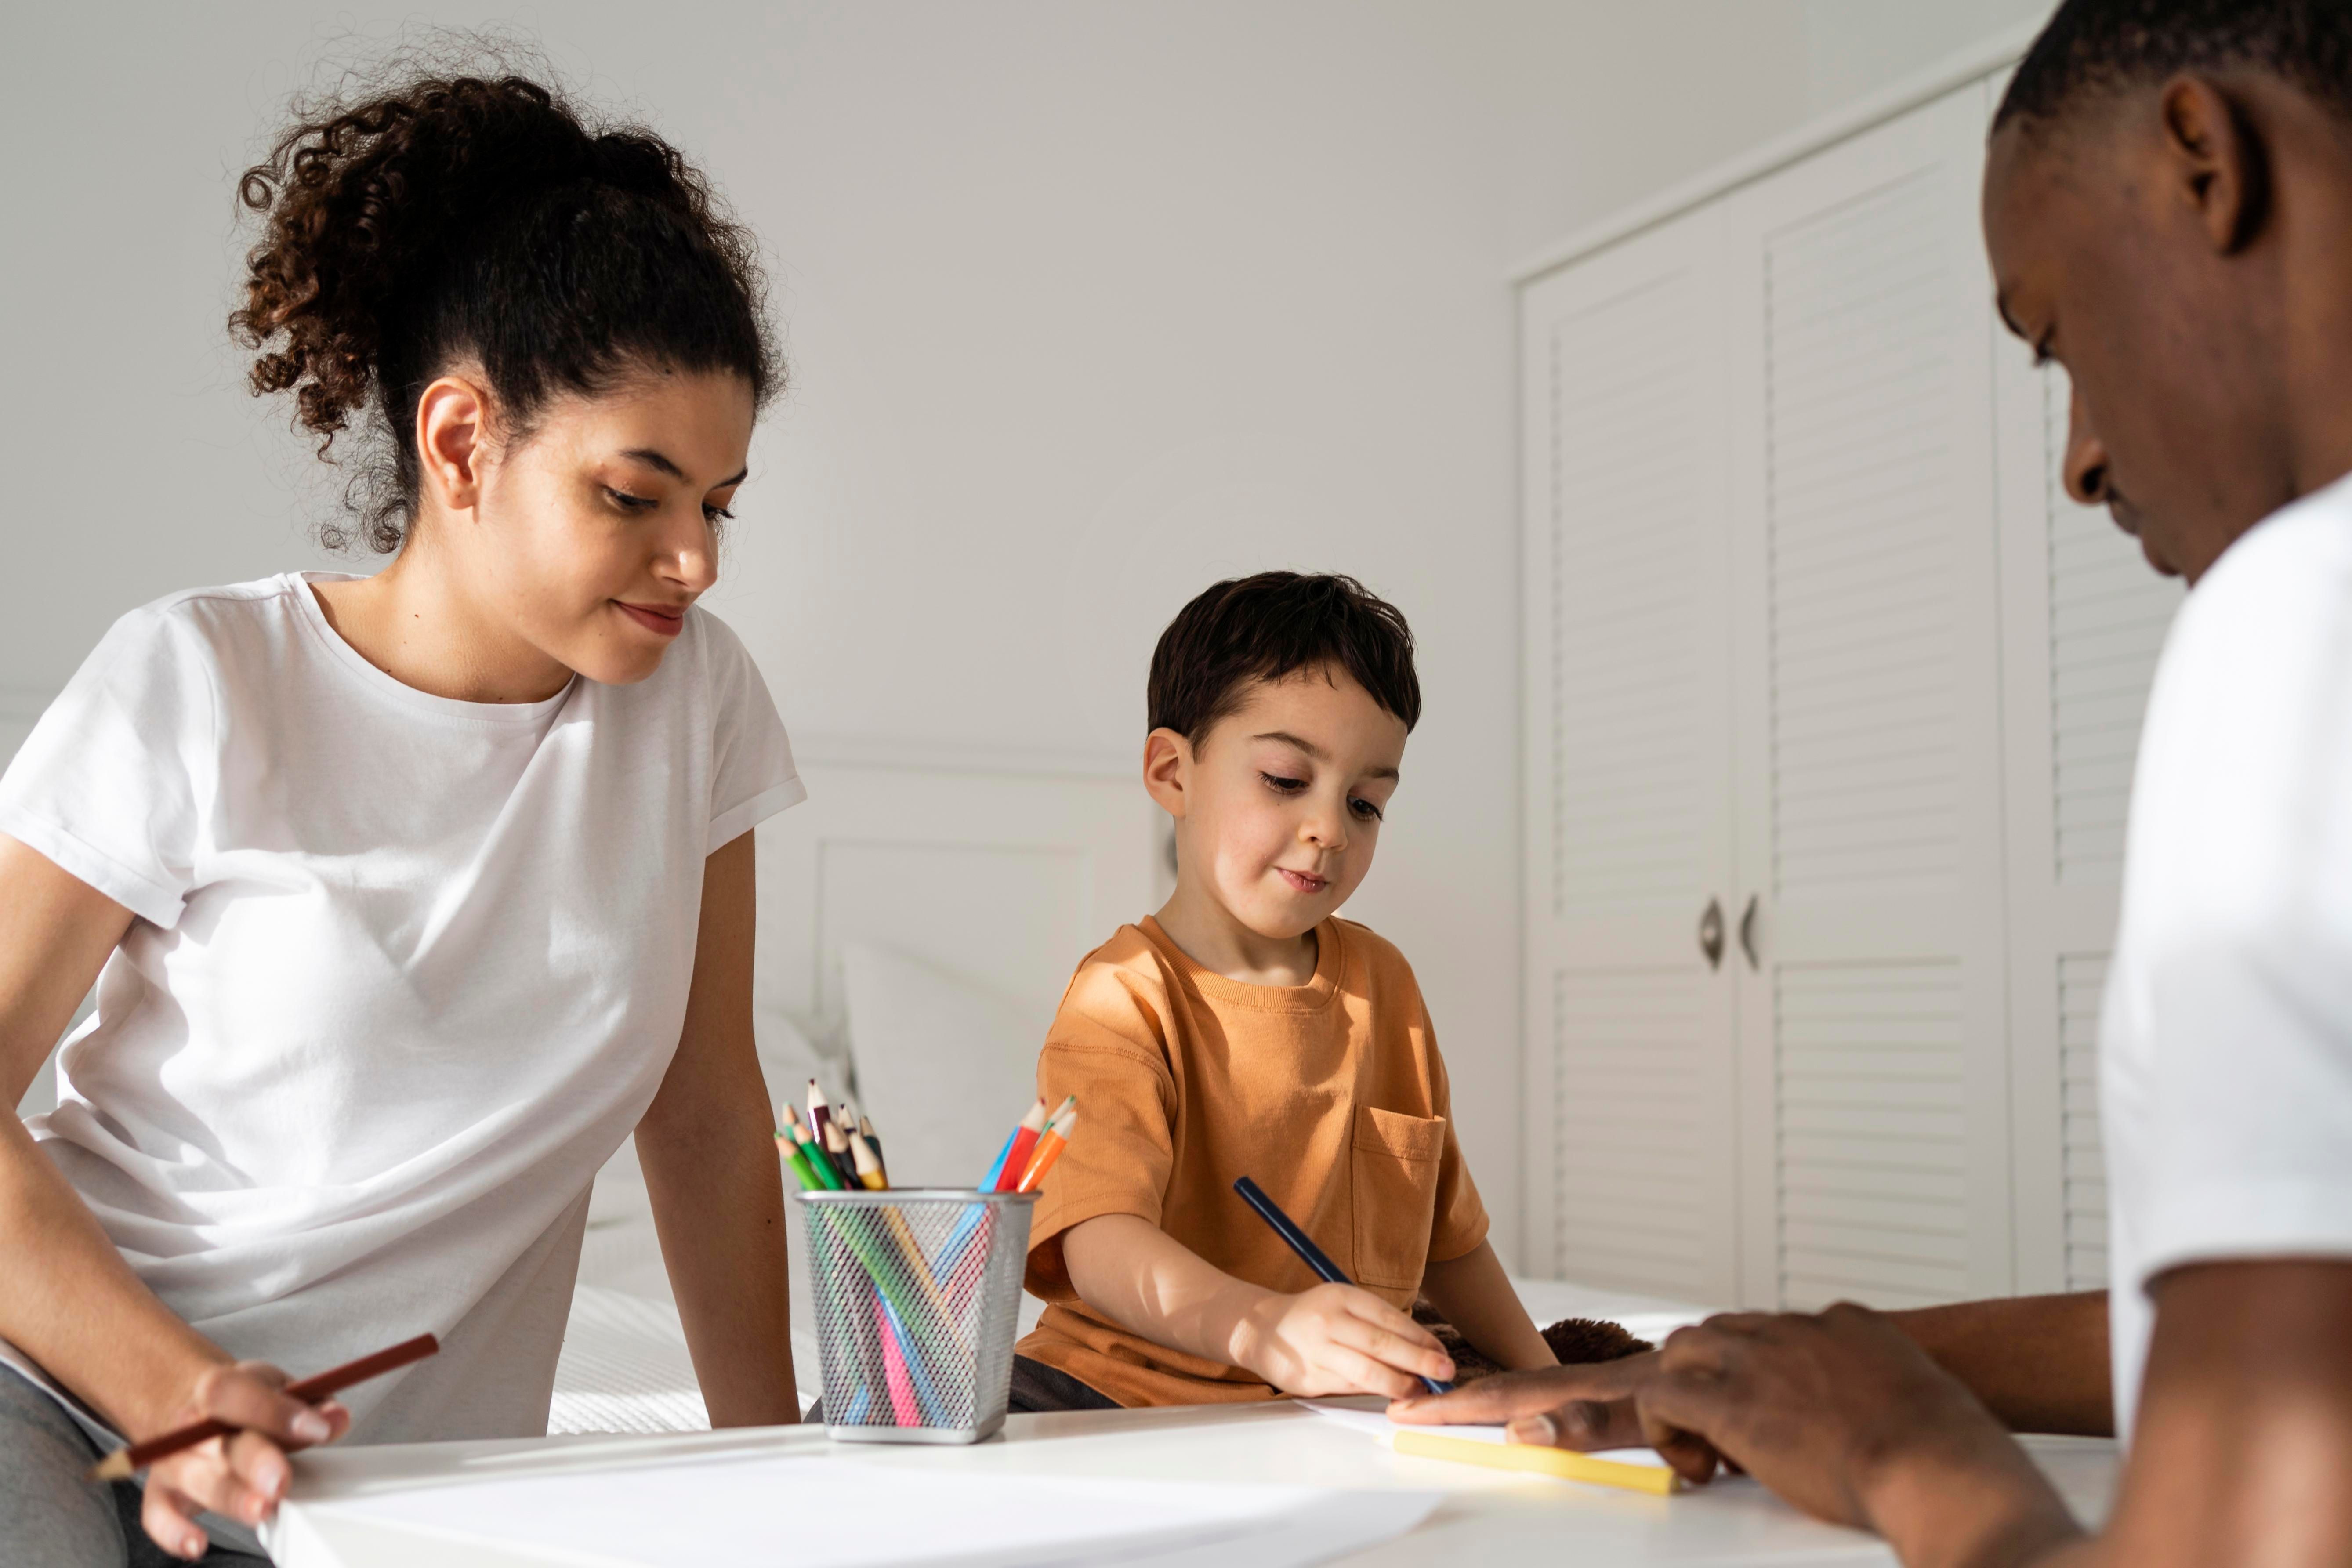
1338, 1339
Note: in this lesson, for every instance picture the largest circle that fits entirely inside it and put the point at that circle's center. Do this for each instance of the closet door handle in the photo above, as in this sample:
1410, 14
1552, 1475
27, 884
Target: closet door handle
1710, 934
1748, 933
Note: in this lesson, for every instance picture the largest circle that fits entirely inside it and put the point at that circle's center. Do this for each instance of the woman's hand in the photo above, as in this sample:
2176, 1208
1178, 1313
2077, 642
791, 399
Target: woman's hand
241, 1477
1338, 1339
1585, 1407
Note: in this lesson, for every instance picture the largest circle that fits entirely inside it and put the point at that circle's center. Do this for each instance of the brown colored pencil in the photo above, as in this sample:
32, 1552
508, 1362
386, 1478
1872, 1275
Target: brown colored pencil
122, 1463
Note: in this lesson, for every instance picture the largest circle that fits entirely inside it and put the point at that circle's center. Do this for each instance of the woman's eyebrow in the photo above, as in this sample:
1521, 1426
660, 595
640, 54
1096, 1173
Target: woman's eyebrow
656, 460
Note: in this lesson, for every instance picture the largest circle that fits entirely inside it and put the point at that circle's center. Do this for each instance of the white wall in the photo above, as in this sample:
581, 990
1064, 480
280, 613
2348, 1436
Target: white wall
1086, 305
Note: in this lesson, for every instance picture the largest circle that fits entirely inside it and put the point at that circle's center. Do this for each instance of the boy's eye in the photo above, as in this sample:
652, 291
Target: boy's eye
1364, 809
1281, 785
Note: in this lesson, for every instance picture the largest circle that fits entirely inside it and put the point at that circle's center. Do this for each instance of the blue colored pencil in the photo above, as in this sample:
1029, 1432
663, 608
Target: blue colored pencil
1308, 1253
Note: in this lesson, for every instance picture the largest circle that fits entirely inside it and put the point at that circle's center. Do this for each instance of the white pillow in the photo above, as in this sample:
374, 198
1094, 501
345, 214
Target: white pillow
945, 1067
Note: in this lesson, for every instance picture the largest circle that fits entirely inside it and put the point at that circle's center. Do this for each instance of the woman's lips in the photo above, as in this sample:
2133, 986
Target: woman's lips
1303, 881
660, 623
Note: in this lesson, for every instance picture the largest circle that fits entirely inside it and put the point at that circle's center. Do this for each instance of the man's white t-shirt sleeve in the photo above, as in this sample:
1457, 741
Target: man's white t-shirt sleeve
2238, 915
753, 773
111, 783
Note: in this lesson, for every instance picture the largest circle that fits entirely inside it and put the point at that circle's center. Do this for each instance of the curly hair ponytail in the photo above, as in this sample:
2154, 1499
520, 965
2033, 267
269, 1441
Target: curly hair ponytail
481, 220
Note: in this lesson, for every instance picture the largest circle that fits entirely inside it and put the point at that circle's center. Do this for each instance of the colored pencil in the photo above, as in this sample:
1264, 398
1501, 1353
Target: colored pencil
1024, 1139
1049, 1148
1308, 1253
900, 1386
925, 1393
122, 1464
838, 1147
819, 1164
869, 1169
820, 1130
796, 1163
996, 1166
865, 1126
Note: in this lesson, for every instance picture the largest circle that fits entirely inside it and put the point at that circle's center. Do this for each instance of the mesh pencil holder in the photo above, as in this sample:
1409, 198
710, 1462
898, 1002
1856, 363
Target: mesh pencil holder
918, 1292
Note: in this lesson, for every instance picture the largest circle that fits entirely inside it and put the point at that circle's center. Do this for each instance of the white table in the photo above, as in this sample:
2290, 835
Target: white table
1487, 1516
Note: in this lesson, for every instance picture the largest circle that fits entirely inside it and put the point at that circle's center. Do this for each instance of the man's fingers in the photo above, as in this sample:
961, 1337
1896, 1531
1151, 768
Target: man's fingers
251, 1395
1682, 1412
167, 1516
1507, 1397
1583, 1425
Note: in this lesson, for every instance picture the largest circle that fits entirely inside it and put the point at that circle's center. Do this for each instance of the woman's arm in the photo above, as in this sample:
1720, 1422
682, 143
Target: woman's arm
1333, 1339
708, 1146
66, 1299
1474, 1295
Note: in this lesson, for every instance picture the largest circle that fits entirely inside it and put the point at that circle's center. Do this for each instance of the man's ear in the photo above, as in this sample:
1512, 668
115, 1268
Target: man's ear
1168, 770
2219, 161
452, 439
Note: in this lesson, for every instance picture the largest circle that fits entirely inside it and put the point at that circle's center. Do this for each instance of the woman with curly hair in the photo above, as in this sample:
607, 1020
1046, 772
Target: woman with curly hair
406, 897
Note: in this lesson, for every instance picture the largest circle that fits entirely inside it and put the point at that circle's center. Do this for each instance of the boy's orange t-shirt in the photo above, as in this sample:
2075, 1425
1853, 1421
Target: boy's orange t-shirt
1330, 1095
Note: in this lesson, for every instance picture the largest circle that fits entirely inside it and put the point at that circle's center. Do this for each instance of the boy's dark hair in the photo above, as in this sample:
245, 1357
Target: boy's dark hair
2107, 45
1270, 626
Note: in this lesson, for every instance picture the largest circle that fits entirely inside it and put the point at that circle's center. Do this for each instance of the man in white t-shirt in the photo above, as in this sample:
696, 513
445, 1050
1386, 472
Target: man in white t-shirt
2169, 212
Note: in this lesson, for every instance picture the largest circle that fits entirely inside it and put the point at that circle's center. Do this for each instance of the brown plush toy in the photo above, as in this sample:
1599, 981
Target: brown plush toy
1574, 1340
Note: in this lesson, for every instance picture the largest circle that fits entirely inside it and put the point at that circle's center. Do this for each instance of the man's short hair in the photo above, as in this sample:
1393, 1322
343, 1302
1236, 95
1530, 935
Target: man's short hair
2108, 47
1270, 626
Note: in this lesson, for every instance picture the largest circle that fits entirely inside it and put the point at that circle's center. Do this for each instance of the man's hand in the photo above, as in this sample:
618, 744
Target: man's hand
1845, 1417
242, 1477
1588, 1406
1337, 1339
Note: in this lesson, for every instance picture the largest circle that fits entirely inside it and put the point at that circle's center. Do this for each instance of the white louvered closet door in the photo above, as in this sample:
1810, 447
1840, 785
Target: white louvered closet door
1874, 1086
2084, 618
1630, 1119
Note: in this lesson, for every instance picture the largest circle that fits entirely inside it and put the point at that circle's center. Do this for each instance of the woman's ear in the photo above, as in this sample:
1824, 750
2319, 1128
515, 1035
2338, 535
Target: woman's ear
452, 438
2220, 162
1168, 770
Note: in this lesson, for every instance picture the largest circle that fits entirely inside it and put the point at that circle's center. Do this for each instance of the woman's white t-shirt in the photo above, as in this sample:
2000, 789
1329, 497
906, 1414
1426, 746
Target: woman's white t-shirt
2225, 1050
405, 971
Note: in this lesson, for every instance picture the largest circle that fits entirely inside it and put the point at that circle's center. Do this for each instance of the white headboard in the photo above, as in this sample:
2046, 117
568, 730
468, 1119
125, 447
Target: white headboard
1003, 869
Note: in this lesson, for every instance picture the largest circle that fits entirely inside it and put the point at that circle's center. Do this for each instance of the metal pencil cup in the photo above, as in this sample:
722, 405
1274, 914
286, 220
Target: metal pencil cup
917, 1293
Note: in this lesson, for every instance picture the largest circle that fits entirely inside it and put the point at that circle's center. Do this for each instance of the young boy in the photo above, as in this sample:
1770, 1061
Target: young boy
1247, 1031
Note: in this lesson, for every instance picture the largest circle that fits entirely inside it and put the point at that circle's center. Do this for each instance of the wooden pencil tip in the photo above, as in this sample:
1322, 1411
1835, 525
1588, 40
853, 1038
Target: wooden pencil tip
115, 1466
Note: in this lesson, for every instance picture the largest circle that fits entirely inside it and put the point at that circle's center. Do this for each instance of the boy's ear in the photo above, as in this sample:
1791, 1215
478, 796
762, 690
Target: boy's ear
1167, 769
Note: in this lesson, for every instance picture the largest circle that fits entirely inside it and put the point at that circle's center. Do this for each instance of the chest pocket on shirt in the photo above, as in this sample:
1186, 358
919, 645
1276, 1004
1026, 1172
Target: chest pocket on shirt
1396, 1158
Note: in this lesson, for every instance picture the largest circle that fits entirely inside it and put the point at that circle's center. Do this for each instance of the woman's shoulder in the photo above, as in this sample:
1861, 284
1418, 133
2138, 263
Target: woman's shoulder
194, 636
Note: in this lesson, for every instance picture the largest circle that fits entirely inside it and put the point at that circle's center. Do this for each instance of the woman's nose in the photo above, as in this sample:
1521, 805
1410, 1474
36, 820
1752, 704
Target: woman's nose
694, 558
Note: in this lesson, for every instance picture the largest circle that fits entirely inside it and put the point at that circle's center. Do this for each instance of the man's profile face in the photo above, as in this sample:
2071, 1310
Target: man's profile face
2084, 280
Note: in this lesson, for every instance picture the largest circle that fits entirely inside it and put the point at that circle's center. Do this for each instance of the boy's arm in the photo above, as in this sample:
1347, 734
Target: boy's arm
1333, 1339
1476, 1295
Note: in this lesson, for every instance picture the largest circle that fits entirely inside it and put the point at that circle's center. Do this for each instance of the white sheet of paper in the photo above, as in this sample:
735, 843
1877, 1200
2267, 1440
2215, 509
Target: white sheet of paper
1374, 1424
826, 1512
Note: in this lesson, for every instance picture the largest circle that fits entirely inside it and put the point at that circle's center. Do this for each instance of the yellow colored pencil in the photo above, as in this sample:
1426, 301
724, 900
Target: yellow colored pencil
1562, 1462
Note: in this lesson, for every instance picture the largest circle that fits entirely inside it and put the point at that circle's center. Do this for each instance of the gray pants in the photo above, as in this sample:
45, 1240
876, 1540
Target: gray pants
51, 1514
